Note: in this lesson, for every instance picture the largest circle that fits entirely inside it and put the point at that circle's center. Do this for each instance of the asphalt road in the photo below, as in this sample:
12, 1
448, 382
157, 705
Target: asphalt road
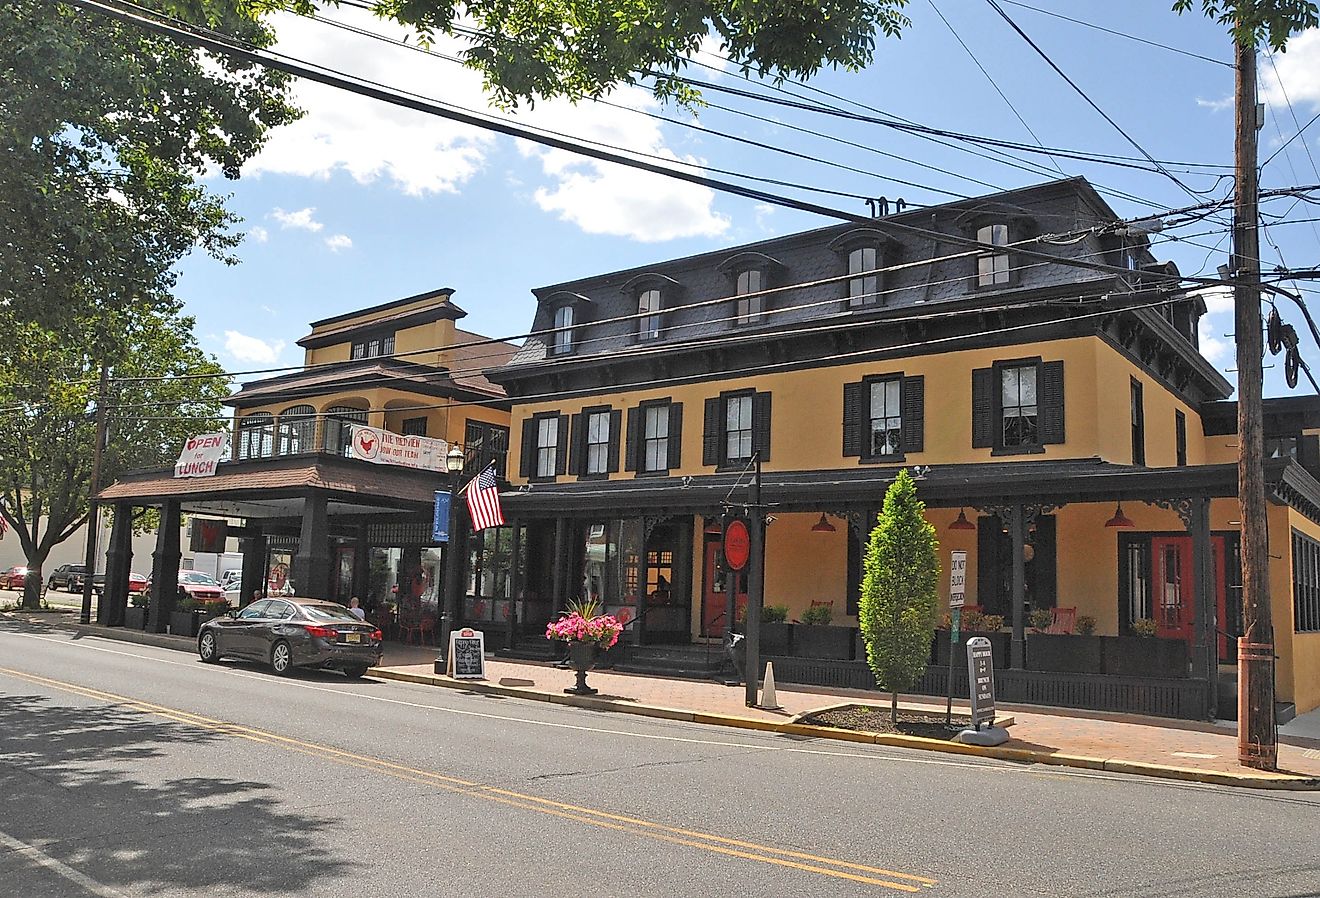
133, 771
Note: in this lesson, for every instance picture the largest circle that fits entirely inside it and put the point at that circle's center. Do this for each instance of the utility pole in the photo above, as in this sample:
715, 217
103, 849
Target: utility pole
93, 510
1257, 745
755, 589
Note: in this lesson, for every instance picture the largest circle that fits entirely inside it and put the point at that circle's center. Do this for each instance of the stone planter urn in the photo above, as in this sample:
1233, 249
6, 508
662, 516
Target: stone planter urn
582, 655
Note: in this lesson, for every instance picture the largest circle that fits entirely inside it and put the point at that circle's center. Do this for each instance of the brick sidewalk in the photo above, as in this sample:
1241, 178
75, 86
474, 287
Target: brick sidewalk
1135, 740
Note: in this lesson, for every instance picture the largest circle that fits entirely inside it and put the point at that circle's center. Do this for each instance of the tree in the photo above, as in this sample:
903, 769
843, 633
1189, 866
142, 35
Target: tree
106, 134
48, 386
899, 590
1251, 21
529, 49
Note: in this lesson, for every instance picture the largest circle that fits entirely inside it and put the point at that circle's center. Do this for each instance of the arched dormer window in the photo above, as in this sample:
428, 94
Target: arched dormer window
863, 252
256, 436
653, 293
996, 225
752, 274
297, 430
567, 312
562, 341
992, 268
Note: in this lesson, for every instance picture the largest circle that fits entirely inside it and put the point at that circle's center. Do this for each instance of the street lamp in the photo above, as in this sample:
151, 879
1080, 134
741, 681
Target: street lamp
454, 462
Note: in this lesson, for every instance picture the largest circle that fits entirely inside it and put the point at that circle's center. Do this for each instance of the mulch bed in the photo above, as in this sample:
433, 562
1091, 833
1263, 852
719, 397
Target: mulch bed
877, 720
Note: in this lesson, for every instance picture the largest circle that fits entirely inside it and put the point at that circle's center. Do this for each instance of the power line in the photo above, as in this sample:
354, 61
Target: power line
1131, 37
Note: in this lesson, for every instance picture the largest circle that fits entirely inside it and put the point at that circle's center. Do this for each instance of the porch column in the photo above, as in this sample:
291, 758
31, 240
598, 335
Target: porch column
165, 568
362, 568
254, 567
1205, 657
311, 566
515, 583
118, 559
560, 574
1017, 530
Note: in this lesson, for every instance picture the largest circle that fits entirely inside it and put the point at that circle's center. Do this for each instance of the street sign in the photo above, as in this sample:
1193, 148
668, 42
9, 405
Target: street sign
737, 544
957, 578
955, 626
440, 522
467, 654
981, 680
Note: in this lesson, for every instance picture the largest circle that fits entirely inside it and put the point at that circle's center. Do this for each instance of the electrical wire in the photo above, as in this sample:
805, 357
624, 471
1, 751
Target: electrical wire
1125, 35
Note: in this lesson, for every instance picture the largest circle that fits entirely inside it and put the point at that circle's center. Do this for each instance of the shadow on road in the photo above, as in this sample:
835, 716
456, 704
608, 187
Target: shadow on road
79, 785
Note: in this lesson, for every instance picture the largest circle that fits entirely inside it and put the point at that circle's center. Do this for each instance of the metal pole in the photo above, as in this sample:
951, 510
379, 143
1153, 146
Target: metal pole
452, 573
94, 507
755, 590
1257, 741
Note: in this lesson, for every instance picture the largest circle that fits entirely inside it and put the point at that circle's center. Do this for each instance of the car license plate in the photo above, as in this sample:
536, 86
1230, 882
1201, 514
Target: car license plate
352, 637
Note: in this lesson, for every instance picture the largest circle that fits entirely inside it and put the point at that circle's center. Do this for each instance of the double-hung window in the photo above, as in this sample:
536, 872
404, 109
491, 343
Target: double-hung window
992, 268
1018, 409
864, 286
648, 311
598, 443
751, 299
737, 429
563, 335
885, 428
655, 439
373, 347
547, 446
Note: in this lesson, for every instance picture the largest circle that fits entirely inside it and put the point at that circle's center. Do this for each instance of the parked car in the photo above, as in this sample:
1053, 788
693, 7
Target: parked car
231, 577
136, 583
295, 632
14, 578
195, 584
63, 576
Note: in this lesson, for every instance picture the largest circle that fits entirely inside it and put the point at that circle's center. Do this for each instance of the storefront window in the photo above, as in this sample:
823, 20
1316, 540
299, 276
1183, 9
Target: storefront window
613, 566
490, 574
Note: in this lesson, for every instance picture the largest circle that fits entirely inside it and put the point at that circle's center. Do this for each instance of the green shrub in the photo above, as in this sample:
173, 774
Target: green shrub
774, 614
1144, 626
1085, 625
1040, 619
818, 615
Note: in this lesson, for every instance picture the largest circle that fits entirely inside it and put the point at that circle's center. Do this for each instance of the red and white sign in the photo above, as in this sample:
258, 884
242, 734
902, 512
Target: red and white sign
201, 454
737, 544
384, 448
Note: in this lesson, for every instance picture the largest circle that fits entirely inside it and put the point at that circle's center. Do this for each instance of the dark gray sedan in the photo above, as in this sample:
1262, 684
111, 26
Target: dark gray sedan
292, 632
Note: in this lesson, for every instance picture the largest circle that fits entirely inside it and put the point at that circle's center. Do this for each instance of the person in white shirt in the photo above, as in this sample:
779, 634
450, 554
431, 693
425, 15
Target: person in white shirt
354, 608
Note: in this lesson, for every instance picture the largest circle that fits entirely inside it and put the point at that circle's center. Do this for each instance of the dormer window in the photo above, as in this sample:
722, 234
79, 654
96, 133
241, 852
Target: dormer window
751, 299
992, 268
864, 289
374, 346
863, 252
648, 311
563, 336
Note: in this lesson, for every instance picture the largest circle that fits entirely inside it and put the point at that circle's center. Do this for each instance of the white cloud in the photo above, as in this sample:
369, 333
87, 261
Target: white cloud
252, 349
1298, 70
1219, 105
604, 198
258, 234
370, 140
336, 242
302, 219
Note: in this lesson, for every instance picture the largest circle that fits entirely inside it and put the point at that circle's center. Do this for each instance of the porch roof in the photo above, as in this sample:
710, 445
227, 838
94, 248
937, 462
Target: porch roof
1000, 483
277, 487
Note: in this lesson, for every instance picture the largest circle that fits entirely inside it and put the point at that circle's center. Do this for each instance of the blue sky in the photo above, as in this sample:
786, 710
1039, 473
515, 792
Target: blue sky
361, 203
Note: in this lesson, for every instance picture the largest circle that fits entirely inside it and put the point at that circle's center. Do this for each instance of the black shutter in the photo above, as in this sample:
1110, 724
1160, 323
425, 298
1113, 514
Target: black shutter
710, 436
631, 456
616, 424
561, 450
526, 465
983, 408
854, 419
914, 414
675, 436
577, 453
1051, 402
761, 425
989, 534
1044, 574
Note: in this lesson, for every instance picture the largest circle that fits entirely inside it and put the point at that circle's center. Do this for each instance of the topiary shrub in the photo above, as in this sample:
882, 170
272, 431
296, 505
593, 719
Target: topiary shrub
774, 614
1040, 619
818, 615
1085, 625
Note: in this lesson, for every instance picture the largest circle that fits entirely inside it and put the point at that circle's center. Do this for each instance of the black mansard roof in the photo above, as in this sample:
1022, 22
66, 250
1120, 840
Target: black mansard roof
811, 309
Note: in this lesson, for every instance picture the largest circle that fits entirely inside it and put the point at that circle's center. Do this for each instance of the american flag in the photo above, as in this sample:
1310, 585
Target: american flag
483, 500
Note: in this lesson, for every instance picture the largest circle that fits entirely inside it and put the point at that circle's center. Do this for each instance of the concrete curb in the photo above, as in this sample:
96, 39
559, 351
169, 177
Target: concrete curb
790, 727
895, 740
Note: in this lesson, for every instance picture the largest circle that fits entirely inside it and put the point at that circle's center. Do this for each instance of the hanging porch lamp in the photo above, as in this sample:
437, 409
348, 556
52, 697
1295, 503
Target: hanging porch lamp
1119, 519
961, 522
822, 526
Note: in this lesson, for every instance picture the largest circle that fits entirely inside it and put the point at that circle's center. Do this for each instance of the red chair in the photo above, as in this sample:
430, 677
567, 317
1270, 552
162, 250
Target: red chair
1063, 621
426, 626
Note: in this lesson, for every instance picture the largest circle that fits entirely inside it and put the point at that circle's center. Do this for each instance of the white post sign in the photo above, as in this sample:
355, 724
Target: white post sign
200, 455
957, 578
382, 447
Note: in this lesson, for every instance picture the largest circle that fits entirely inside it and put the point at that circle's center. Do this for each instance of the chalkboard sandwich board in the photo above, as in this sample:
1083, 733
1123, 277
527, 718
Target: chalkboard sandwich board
467, 655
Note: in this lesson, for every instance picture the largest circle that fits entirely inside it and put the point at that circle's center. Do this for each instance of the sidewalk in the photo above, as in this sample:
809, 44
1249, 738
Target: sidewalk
1172, 749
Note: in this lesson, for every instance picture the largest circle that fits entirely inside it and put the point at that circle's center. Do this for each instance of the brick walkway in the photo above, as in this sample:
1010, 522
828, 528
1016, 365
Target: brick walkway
1133, 739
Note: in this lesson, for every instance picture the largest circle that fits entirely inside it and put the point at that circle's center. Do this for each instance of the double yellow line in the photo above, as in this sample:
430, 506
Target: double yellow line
781, 857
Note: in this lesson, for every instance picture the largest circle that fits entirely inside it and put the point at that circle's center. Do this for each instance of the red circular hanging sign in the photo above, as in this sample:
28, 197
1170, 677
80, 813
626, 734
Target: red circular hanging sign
737, 544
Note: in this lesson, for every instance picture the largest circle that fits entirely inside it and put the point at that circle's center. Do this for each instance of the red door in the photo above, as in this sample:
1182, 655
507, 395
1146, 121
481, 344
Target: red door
713, 597
1174, 594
